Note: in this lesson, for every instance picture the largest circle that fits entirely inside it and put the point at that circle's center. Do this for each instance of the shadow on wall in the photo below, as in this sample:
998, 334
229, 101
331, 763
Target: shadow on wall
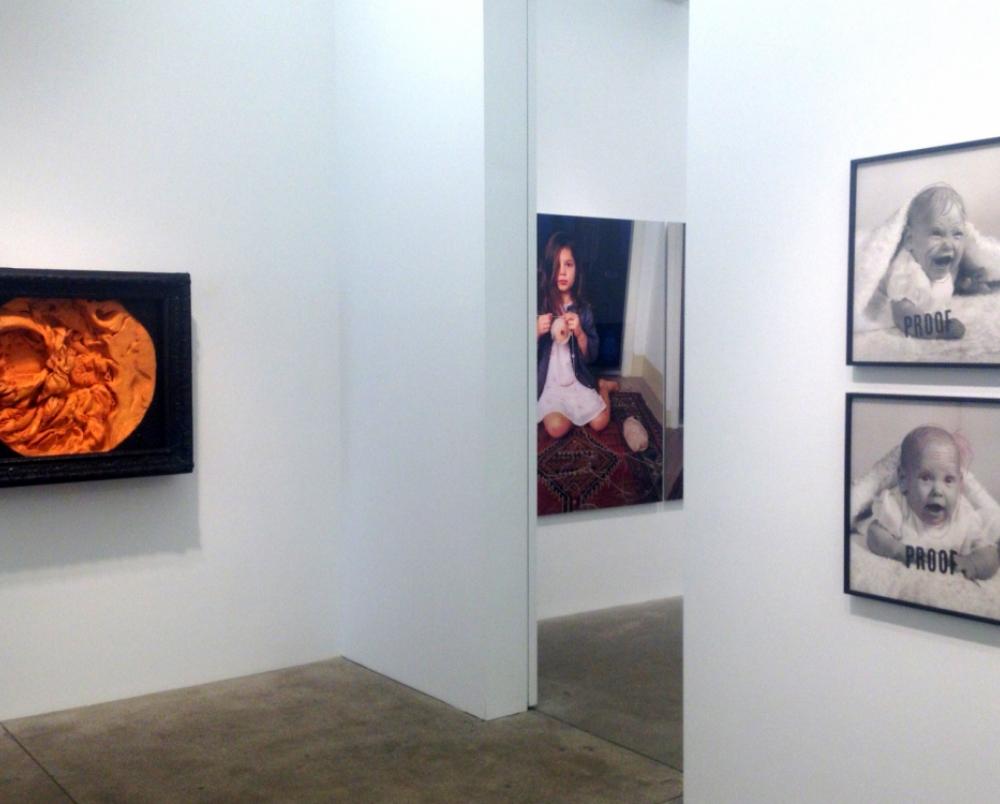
58, 526
945, 625
914, 375
606, 514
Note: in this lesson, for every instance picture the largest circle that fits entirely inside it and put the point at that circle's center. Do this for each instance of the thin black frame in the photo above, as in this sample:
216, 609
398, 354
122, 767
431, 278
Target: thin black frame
855, 165
851, 397
170, 295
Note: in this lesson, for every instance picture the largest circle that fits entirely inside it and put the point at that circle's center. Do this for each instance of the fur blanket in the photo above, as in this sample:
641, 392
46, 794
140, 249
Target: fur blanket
884, 577
876, 341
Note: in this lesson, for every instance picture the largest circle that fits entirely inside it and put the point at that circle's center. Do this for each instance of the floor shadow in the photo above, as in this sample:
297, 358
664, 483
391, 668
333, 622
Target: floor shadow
617, 673
330, 731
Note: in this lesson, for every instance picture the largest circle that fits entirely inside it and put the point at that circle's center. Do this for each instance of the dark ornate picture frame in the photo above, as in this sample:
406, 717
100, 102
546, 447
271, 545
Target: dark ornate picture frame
882, 188
931, 579
163, 442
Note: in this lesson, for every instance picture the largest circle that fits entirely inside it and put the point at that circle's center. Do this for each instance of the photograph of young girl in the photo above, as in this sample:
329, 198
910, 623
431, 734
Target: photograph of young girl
923, 517
925, 262
608, 397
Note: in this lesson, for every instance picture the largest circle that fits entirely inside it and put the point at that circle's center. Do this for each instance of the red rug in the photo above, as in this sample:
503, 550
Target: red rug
586, 470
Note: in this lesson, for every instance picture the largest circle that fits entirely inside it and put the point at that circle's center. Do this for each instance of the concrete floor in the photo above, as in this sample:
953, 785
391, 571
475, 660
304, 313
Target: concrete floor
617, 673
331, 731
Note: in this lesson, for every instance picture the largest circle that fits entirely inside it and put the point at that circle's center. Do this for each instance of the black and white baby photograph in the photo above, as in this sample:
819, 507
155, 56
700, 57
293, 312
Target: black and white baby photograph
922, 511
925, 257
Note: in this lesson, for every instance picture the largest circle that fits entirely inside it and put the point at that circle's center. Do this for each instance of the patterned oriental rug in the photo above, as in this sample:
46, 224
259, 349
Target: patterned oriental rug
585, 470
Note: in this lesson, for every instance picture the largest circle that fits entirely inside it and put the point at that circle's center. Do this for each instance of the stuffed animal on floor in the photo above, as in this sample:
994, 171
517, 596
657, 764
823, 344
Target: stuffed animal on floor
635, 434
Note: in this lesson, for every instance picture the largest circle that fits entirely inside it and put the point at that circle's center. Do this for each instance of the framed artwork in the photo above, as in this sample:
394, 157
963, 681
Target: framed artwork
609, 341
924, 264
922, 502
95, 375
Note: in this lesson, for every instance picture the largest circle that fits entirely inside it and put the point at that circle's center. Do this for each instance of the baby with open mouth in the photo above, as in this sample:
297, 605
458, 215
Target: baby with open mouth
925, 271
926, 511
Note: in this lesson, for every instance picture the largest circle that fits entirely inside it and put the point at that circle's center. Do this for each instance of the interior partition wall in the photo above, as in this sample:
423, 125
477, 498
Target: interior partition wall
792, 689
611, 139
180, 137
432, 226
349, 187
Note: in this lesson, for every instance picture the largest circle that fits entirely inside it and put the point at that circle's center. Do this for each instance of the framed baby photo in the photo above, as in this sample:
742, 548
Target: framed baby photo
95, 375
609, 337
922, 502
924, 257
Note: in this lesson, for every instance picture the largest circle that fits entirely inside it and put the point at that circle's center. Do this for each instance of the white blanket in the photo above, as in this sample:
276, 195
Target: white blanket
885, 577
981, 344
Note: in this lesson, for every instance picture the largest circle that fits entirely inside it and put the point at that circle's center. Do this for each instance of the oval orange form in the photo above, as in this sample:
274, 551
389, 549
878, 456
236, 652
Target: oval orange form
76, 376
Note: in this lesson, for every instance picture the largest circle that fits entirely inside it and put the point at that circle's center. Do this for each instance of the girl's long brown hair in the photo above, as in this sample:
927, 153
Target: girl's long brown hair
549, 297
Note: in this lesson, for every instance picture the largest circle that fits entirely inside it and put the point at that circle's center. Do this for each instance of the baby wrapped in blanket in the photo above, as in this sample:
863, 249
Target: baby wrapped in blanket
936, 253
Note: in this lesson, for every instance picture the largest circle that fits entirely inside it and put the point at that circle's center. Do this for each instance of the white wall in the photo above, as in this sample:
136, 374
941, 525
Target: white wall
675, 324
611, 104
644, 339
432, 228
792, 689
180, 137
611, 122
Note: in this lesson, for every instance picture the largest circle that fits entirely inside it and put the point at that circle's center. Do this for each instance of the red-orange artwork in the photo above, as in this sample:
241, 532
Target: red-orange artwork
76, 376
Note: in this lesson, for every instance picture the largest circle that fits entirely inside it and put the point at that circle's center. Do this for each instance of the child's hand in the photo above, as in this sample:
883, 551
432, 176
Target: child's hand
573, 322
954, 331
971, 280
544, 324
916, 321
982, 562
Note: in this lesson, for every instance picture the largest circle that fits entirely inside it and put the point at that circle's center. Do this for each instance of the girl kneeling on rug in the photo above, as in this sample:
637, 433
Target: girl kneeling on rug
567, 391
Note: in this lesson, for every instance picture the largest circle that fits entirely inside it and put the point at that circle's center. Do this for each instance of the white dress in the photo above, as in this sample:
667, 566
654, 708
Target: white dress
564, 393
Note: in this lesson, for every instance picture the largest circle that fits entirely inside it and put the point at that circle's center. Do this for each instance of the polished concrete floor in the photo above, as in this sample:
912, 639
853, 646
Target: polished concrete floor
331, 731
617, 673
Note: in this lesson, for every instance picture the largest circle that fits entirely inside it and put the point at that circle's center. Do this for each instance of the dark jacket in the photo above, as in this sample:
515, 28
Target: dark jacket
579, 365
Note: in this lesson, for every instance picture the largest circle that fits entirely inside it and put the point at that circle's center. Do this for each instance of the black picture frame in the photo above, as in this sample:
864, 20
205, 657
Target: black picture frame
163, 442
873, 422
881, 188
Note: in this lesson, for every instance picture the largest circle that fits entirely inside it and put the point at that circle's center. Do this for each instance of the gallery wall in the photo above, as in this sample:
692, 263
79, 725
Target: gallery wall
611, 94
180, 137
643, 341
432, 223
790, 685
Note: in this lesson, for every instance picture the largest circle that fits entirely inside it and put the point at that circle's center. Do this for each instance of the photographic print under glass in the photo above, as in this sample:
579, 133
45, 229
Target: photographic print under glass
922, 518
95, 375
609, 334
924, 249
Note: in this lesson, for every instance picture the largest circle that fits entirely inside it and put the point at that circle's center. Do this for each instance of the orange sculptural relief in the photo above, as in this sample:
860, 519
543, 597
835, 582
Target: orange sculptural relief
76, 376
